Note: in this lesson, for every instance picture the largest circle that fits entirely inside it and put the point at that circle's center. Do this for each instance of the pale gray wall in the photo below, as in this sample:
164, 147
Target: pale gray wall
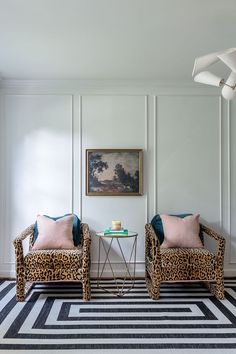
186, 132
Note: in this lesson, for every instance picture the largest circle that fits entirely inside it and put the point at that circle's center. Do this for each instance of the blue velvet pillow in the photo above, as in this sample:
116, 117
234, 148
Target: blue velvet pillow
75, 230
158, 227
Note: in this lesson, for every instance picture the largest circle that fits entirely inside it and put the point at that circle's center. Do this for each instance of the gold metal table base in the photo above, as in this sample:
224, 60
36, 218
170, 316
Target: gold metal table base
122, 284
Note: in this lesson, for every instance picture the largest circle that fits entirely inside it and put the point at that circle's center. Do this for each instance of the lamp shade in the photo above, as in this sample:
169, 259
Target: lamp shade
205, 77
227, 92
203, 62
229, 59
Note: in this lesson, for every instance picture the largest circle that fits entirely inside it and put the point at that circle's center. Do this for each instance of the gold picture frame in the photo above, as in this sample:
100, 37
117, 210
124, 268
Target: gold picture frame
114, 172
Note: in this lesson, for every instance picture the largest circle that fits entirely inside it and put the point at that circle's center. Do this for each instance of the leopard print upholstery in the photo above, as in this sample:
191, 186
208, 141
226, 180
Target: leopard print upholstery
52, 265
181, 264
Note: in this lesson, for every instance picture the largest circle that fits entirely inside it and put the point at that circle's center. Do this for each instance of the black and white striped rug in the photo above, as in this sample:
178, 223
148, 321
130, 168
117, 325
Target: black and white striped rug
54, 317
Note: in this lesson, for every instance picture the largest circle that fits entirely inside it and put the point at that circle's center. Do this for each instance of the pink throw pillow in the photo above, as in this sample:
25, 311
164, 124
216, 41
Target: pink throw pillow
54, 234
181, 232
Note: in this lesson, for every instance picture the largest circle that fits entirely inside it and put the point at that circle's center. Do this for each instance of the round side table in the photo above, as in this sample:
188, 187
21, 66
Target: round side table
128, 262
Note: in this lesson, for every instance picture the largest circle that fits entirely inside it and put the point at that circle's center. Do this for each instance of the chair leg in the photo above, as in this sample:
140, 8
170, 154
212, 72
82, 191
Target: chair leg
86, 288
219, 289
153, 287
20, 285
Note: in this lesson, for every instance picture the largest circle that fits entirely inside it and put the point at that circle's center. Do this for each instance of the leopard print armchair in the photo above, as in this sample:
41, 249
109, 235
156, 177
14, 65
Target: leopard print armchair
52, 265
181, 264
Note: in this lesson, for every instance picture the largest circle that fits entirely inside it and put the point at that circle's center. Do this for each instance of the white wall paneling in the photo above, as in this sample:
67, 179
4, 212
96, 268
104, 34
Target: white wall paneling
188, 156
155, 155
114, 121
229, 176
232, 178
2, 179
38, 162
187, 134
77, 156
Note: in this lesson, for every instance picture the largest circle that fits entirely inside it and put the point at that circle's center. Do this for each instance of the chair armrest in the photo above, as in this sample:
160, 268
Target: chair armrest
152, 249
18, 243
85, 233
86, 242
217, 237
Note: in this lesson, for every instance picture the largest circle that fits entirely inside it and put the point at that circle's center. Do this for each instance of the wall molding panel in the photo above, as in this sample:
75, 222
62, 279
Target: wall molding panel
145, 187
231, 149
77, 155
229, 172
96, 114
220, 165
155, 207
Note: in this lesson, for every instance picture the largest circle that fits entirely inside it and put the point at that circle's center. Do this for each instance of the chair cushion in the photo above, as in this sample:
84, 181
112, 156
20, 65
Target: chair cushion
53, 259
54, 234
187, 257
158, 226
181, 232
75, 230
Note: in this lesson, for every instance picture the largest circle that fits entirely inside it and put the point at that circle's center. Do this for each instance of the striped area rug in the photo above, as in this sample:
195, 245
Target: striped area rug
54, 317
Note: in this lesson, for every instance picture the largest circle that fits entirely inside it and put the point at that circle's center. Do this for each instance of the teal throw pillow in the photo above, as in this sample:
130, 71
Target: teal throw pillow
75, 230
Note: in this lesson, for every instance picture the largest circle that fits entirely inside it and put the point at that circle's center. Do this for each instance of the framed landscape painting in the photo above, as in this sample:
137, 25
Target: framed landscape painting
114, 171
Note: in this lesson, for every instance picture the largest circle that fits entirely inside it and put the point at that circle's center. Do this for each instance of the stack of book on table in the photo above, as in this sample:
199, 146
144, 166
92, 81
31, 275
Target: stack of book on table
110, 231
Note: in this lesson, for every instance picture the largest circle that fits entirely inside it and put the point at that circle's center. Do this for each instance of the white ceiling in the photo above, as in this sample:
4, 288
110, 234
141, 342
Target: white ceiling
111, 39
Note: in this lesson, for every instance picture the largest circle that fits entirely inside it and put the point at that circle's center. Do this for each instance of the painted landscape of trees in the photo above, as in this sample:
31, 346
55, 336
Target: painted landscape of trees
113, 173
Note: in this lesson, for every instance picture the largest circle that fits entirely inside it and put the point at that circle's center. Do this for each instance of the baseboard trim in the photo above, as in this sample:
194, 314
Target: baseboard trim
119, 271
230, 272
